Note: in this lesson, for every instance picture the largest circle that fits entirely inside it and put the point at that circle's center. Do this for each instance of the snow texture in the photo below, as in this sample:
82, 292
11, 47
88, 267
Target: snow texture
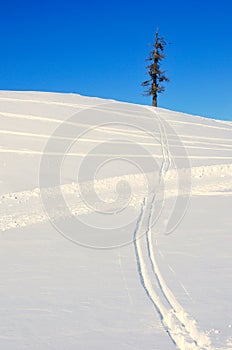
115, 226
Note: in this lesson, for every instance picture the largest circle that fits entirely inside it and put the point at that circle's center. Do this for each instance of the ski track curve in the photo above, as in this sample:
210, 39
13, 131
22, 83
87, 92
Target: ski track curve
180, 327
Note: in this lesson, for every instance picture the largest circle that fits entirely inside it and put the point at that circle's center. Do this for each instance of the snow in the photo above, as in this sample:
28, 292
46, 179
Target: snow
115, 225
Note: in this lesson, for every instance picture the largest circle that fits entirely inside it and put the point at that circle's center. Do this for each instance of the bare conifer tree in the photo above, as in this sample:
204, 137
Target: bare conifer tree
157, 76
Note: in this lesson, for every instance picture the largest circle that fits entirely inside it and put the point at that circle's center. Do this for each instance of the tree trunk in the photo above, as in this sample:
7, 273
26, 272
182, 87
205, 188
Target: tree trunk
154, 100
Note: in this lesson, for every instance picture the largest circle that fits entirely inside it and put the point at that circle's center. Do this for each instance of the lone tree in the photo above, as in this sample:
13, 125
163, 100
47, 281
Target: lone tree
157, 76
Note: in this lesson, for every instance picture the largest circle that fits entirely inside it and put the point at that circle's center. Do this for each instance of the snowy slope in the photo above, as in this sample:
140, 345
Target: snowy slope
115, 225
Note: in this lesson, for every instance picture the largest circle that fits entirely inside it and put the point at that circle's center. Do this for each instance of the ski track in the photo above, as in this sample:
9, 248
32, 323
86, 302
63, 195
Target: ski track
197, 124
24, 208
71, 154
176, 323
137, 132
76, 105
181, 328
98, 128
225, 147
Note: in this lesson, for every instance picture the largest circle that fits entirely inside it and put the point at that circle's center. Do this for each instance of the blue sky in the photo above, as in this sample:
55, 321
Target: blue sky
98, 48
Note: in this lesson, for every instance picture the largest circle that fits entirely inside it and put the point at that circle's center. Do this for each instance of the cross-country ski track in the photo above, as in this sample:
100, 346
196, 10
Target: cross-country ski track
208, 151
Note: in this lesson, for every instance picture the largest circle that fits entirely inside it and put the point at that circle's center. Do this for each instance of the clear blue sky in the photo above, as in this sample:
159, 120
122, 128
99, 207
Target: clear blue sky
98, 48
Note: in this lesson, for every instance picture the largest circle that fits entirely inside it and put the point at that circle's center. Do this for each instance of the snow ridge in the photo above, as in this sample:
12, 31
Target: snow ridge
25, 208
